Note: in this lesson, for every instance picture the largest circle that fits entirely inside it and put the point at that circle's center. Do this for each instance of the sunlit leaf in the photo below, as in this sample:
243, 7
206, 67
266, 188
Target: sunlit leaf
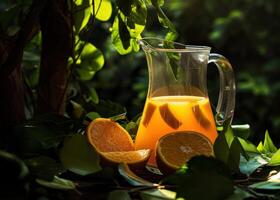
57, 183
82, 13
103, 9
266, 185
92, 115
275, 159
260, 147
158, 194
139, 15
116, 39
85, 74
268, 145
248, 146
78, 156
91, 61
229, 135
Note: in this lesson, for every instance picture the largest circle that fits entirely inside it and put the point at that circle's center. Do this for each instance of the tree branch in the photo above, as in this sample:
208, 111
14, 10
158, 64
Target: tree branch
56, 49
28, 29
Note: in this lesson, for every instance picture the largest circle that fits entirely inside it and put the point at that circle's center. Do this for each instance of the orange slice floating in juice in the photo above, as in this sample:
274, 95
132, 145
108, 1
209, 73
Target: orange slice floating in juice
169, 117
114, 145
176, 148
200, 116
149, 113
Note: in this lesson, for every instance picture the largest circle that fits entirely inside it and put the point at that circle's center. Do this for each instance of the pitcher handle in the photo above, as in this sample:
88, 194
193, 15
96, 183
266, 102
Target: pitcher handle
226, 101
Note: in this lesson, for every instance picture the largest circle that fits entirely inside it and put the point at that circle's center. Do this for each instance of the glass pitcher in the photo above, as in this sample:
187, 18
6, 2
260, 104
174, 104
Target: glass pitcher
177, 98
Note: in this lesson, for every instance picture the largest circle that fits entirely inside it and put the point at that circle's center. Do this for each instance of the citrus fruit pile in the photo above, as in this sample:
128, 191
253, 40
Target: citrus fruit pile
114, 144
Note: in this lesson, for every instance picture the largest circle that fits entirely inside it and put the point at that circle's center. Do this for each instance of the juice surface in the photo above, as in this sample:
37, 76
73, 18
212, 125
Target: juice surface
166, 114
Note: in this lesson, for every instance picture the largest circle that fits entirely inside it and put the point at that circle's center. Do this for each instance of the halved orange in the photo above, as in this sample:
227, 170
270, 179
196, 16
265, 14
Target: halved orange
114, 144
176, 148
106, 135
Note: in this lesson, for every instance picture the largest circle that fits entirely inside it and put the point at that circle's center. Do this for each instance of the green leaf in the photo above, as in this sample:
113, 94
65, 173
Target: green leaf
77, 109
248, 146
78, 156
92, 115
268, 145
82, 13
39, 135
57, 183
234, 155
266, 185
91, 61
205, 178
275, 159
102, 9
93, 94
119, 195
116, 39
260, 147
139, 15
132, 128
127, 29
13, 169
239, 194
164, 21
249, 166
44, 167
229, 135
157, 194
221, 148
118, 117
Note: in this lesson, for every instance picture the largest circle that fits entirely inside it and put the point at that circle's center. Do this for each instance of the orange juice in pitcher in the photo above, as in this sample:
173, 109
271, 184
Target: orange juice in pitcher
177, 98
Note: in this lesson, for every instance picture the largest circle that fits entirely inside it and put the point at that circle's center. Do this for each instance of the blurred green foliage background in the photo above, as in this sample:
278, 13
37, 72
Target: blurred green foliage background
246, 32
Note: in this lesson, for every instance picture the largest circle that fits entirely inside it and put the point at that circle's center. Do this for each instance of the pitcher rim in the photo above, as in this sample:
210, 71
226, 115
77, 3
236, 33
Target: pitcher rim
187, 48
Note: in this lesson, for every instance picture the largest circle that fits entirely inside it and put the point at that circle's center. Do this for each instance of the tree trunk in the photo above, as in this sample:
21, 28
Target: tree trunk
11, 84
56, 49
11, 101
